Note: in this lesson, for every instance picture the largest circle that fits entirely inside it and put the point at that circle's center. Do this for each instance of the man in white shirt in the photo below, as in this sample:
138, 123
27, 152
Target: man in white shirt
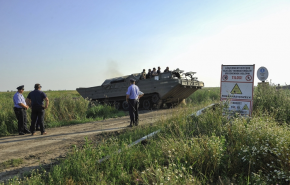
132, 97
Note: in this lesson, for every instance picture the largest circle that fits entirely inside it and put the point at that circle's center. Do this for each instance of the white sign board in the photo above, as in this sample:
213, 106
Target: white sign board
262, 73
238, 91
241, 107
237, 84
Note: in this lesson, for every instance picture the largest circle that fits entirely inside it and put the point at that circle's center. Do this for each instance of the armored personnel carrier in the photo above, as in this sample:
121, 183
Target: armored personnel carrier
168, 88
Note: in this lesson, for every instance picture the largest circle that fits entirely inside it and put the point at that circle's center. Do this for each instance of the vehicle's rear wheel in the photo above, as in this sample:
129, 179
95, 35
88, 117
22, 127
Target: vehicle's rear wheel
125, 105
146, 104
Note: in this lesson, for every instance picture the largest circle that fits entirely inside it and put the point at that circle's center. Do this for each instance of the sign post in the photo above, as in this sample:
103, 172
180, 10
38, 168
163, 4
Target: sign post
237, 84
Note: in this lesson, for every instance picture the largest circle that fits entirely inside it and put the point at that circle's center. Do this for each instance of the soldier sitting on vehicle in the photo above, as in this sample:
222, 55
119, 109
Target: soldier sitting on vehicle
154, 73
143, 75
166, 70
159, 70
148, 74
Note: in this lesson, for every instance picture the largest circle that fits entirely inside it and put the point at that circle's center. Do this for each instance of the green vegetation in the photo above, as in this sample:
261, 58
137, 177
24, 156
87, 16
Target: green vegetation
205, 149
205, 95
276, 103
11, 163
101, 111
66, 107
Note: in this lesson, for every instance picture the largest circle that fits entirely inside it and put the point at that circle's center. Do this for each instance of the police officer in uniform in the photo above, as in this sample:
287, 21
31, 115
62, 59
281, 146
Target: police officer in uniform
20, 108
132, 97
35, 98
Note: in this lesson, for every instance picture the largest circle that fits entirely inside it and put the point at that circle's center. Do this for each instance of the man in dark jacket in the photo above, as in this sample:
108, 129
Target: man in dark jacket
166, 70
148, 74
35, 99
159, 70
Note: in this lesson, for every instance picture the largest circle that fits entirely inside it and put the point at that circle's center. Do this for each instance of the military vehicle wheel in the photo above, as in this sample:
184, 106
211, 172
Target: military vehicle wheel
117, 105
125, 105
155, 98
146, 104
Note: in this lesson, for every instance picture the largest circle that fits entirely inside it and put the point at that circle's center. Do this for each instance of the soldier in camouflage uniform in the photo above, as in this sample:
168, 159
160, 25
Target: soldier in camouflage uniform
143, 75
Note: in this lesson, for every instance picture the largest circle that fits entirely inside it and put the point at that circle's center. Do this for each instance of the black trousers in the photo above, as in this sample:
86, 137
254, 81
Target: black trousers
133, 110
22, 119
37, 124
37, 114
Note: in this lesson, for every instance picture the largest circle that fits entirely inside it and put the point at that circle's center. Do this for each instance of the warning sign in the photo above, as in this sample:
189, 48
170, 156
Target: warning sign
236, 90
237, 85
244, 91
246, 107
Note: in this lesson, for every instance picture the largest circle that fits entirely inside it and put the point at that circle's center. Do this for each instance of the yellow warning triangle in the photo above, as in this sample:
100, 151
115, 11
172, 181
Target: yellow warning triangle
236, 90
246, 107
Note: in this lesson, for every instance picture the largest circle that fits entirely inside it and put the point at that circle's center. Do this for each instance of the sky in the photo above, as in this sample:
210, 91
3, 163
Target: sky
68, 44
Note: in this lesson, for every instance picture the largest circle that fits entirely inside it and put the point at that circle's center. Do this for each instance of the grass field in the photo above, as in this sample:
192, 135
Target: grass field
205, 149
66, 107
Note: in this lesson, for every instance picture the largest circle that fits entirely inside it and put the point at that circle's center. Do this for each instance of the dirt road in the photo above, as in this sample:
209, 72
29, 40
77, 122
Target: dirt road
45, 150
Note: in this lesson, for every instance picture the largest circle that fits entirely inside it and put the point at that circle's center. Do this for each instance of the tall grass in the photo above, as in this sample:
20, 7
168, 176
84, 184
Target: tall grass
206, 149
205, 95
65, 107
275, 102
189, 150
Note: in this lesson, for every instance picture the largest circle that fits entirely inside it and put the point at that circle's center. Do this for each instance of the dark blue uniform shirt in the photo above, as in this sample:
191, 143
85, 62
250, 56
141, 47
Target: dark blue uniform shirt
36, 98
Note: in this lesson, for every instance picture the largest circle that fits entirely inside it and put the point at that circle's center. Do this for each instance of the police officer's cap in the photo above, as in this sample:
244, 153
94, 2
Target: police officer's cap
20, 87
132, 80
